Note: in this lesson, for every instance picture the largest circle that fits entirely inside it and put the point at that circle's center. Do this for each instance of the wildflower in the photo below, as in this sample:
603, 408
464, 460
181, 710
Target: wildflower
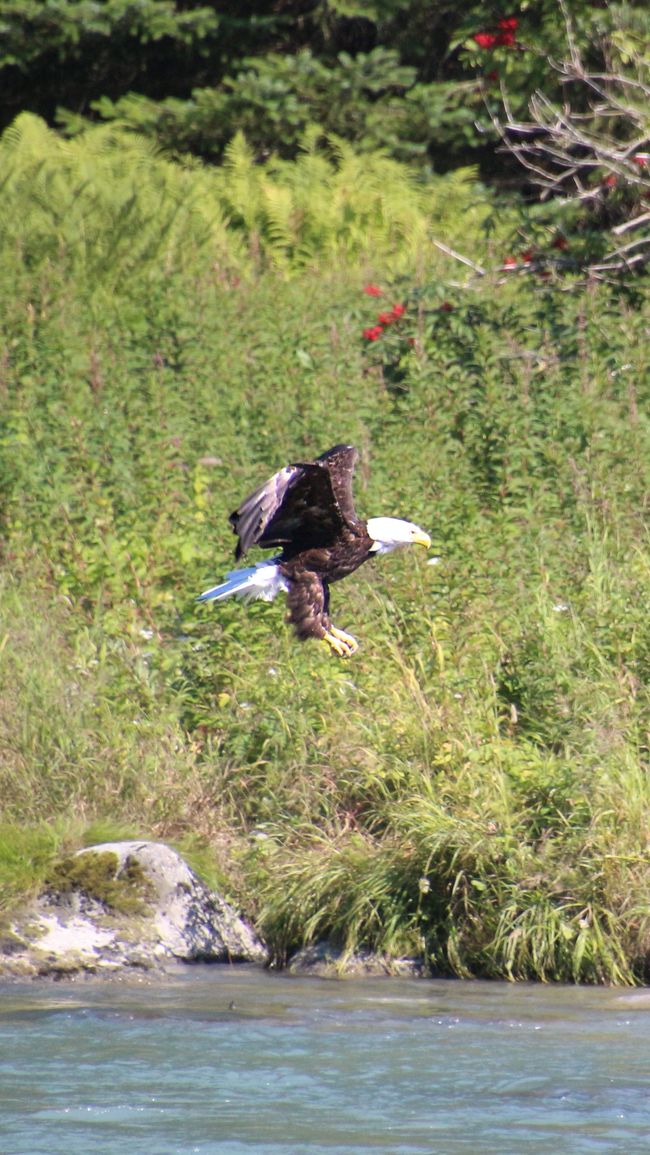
509, 263
398, 311
641, 159
373, 333
372, 290
609, 181
504, 40
508, 24
485, 40
528, 256
385, 318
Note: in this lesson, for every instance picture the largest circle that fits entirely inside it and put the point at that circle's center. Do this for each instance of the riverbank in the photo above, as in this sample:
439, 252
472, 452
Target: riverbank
123, 908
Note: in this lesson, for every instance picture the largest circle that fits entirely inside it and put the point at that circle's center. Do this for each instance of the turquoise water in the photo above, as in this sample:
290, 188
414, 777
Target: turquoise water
239, 1062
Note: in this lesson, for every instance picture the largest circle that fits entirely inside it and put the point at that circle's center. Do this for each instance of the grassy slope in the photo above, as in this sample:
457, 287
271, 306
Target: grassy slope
475, 780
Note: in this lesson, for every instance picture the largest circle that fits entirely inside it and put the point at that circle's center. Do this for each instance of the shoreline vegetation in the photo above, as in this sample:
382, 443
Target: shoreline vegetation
472, 787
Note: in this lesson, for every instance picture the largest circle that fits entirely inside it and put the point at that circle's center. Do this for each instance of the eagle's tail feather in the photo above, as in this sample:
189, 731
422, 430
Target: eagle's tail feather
264, 580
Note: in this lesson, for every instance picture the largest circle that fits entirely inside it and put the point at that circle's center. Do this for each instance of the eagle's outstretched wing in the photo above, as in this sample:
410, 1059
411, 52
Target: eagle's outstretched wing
305, 505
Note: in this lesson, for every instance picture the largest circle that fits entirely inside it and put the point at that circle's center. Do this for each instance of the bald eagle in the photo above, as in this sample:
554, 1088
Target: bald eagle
307, 510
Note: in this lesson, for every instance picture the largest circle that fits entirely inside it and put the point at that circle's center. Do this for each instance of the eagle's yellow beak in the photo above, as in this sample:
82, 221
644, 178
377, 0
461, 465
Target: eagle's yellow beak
422, 538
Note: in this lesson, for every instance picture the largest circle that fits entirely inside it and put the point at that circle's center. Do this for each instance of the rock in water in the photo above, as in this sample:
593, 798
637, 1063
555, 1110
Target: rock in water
125, 904
193, 922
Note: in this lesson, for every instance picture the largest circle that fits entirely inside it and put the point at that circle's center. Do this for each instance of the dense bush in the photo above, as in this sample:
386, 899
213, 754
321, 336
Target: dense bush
412, 76
547, 99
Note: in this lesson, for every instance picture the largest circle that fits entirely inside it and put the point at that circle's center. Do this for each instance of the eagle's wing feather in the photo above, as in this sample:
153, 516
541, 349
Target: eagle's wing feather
255, 514
340, 462
305, 505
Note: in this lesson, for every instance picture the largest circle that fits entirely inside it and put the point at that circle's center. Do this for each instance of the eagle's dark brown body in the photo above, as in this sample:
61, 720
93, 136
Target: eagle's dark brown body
310, 575
306, 510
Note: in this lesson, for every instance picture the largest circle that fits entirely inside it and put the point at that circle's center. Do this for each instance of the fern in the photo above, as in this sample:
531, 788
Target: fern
106, 203
109, 205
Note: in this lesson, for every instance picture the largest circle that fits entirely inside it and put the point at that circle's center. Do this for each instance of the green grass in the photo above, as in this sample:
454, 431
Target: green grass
473, 785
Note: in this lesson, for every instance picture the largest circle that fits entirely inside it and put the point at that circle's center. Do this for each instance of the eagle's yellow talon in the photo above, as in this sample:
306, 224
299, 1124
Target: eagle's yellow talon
346, 639
343, 649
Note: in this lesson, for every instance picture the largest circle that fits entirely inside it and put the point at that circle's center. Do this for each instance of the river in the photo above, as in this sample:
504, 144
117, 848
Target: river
236, 1061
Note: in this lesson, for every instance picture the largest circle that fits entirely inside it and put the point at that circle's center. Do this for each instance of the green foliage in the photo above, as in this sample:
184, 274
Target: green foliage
106, 207
410, 78
103, 206
32, 28
276, 99
25, 856
63, 743
474, 784
29, 851
71, 51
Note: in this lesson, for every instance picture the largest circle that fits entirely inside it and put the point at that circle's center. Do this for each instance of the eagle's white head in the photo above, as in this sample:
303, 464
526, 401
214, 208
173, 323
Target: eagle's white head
388, 533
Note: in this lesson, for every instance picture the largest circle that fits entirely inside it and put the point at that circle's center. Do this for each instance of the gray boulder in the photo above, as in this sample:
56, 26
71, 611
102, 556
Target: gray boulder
324, 960
125, 904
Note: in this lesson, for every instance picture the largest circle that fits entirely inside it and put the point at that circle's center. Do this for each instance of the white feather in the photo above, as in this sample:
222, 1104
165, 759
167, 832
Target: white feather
263, 580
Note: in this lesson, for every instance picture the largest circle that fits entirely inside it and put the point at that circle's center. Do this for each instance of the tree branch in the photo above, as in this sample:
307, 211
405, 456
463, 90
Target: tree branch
590, 145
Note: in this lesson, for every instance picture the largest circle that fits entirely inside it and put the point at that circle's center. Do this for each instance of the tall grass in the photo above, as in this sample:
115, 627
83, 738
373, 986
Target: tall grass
473, 785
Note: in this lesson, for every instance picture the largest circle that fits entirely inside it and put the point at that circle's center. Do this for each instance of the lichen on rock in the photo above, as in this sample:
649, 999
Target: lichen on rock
100, 874
125, 904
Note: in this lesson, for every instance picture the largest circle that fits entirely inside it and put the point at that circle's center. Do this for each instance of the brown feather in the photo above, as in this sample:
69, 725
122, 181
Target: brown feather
307, 601
340, 462
303, 506
307, 509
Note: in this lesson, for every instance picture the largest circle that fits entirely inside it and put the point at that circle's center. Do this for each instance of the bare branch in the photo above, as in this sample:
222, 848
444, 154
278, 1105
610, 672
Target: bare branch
573, 49
618, 230
619, 79
458, 257
591, 146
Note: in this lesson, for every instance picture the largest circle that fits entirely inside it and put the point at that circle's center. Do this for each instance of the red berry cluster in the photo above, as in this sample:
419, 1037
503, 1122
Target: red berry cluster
504, 37
374, 332
530, 256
